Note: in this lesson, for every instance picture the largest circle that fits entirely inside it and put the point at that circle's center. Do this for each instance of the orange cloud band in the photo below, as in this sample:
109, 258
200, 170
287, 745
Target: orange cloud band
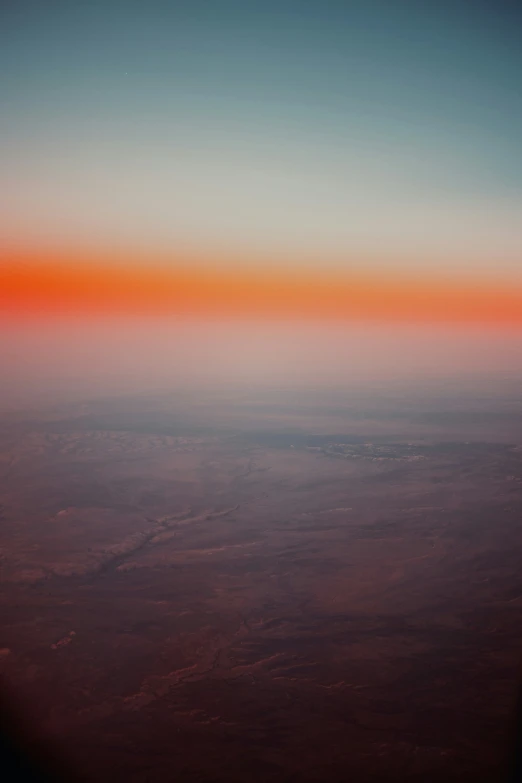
59, 285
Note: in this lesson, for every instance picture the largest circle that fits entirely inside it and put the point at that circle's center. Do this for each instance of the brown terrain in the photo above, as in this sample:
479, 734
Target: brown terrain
253, 589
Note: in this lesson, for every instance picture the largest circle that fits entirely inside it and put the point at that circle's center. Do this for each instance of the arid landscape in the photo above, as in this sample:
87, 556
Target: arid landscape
254, 587
261, 391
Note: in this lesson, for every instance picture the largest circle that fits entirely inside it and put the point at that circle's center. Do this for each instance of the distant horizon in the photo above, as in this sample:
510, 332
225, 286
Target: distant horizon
272, 192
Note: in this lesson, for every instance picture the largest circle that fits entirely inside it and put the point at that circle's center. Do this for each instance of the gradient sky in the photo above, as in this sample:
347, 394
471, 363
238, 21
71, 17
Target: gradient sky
344, 132
360, 160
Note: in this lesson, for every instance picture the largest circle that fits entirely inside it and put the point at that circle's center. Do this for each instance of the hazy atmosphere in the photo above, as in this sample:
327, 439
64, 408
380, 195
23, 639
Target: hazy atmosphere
261, 398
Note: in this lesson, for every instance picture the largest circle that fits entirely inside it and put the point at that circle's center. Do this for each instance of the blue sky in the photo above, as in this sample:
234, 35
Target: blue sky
337, 129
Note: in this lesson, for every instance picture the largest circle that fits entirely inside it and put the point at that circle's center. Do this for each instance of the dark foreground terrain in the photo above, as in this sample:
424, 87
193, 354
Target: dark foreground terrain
265, 589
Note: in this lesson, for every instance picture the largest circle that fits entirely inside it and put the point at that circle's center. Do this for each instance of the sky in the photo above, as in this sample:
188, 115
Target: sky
338, 131
286, 159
